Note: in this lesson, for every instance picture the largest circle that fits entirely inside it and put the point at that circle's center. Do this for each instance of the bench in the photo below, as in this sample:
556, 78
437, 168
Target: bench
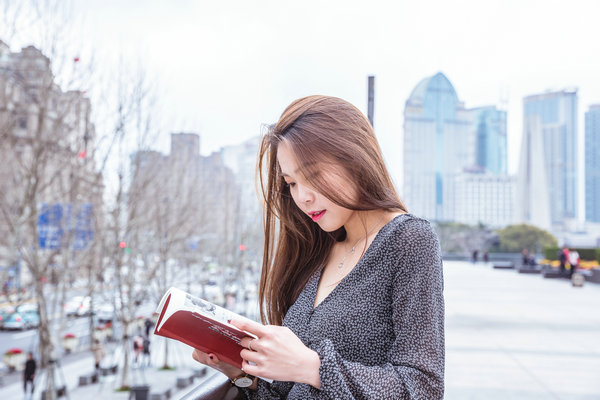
139, 392
529, 269
184, 380
88, 379
160, 392
110, 370
61, 391
593, 276
504, 265
551, 273
200, 372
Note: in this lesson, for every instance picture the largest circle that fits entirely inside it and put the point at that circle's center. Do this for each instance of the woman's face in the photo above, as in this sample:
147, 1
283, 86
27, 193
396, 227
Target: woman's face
328, 215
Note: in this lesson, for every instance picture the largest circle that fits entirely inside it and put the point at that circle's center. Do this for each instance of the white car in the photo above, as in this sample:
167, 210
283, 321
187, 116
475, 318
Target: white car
105, 313
78, 306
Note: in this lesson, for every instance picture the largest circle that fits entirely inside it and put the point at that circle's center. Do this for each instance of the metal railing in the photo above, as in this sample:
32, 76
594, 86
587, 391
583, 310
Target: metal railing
216, 386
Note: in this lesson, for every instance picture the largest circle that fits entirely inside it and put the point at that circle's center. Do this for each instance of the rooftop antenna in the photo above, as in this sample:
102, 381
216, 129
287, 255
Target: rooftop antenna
371, 99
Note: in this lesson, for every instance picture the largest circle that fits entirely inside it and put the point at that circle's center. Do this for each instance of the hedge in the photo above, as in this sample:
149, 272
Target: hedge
551, 253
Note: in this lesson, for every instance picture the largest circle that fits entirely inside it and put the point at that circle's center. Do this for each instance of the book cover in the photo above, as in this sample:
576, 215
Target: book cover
200, 324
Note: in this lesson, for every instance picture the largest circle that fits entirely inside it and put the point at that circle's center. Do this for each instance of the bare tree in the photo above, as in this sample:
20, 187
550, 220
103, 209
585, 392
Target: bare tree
44, 131
133, 129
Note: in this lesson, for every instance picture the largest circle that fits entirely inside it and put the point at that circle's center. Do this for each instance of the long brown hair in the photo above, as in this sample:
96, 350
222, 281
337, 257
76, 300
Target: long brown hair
325, 134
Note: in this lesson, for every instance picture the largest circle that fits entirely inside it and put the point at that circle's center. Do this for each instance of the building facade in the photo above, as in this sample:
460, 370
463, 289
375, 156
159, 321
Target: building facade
185, 204
48, 179
489, 126
447, 148
480, 197
438, 143
592, 164
548, 165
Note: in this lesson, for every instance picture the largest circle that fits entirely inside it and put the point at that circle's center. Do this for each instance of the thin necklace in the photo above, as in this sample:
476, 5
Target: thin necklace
341, 264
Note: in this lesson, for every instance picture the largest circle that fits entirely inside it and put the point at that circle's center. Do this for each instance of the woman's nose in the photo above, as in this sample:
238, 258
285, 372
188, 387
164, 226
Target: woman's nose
305, 194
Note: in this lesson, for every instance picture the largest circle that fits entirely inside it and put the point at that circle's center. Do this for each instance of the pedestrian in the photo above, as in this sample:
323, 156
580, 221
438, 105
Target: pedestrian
148, 325
138, 346
486, 257
474, 256
29, 373
524, 257
99, 353
146, 351
563, 257
351, 285
573, 261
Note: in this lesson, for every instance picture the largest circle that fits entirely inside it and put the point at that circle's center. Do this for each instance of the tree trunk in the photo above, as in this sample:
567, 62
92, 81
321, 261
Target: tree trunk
46, 344
126, 345
166, 364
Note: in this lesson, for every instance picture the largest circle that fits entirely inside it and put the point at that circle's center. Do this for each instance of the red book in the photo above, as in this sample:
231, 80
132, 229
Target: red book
200, 324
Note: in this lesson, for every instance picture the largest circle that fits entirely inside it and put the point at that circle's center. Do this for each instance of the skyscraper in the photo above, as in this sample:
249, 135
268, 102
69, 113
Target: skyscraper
533, 195
549, 138
438, 142
592, 164
489, 125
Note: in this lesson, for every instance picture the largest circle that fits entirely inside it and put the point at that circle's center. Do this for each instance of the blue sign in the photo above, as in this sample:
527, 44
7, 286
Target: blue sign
58, 225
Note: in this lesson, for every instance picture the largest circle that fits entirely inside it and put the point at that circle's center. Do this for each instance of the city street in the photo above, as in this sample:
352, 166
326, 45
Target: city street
508, 336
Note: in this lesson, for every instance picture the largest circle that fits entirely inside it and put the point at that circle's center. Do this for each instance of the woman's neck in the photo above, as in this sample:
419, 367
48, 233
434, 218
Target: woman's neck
363, 224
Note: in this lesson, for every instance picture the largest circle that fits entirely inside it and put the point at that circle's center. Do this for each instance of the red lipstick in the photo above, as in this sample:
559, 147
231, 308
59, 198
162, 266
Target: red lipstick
317, 215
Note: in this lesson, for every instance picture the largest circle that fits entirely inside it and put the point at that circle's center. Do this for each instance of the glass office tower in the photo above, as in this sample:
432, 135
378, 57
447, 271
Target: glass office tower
592, 164
489, 125
438, 142
555, 115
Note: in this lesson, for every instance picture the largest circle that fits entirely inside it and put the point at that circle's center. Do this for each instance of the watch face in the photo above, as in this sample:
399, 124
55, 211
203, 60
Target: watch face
243, 381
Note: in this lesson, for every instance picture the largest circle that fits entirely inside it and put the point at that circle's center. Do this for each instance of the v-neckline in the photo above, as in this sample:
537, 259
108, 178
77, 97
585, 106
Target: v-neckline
345, 278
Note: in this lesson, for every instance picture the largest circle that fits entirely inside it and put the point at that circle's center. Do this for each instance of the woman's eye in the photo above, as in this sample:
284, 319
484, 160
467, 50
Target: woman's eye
290, 184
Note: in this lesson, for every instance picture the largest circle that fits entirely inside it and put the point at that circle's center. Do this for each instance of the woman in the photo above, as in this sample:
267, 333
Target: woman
351, 284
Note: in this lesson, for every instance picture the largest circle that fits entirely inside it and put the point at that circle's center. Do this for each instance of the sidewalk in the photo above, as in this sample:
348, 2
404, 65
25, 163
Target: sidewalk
180, 357
519, 336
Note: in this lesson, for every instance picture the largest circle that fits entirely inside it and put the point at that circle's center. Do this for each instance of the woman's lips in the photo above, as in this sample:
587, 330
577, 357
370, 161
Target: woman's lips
317, 215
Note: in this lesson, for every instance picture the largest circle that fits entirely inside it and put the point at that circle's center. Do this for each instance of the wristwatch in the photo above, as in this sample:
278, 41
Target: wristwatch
243, 381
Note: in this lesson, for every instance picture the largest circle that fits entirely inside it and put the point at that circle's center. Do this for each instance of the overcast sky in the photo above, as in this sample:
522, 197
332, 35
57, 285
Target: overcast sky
223, 68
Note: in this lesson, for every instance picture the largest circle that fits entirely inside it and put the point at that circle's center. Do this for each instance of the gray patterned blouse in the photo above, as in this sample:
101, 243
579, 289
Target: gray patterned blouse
380, 332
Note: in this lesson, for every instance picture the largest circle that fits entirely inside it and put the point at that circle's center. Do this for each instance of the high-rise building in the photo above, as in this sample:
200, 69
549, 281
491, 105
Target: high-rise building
533, 196
51, 189
241, 159
185, 145
592, 164
548, 165
188, 200
438, 143
489, 126
482, 197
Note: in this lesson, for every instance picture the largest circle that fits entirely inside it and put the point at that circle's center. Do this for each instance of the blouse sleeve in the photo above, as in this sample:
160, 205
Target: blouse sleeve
268, 391
415, 362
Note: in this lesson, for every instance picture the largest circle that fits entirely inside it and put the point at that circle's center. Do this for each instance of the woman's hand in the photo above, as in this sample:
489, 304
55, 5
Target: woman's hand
278, 354
211, 360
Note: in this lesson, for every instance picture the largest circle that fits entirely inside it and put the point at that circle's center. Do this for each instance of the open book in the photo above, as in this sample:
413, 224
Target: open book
200, 324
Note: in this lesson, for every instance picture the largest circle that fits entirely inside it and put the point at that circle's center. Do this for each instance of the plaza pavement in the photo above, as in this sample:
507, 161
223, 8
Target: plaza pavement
514, 336
509, 336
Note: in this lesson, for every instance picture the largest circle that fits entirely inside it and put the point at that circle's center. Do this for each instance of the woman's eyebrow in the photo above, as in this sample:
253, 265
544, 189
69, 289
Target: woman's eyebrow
304, 166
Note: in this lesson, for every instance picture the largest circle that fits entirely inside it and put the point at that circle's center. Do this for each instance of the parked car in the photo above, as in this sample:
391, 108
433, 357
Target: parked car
5, 312
105, 313
21, 321
27, 308
78, 306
